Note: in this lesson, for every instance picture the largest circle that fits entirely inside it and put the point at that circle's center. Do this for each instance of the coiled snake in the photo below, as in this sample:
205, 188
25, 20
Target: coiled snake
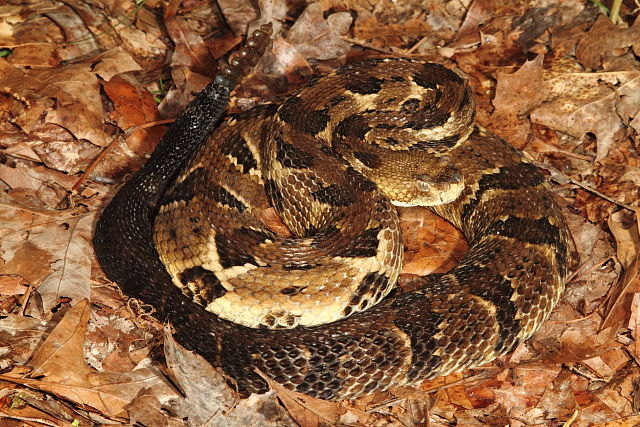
329, 159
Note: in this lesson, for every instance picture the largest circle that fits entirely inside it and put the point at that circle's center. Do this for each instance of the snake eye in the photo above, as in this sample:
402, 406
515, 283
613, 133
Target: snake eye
423, 183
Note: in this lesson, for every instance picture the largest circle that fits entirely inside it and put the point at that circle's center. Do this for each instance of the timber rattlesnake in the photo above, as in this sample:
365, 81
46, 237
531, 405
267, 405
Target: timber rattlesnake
324, 159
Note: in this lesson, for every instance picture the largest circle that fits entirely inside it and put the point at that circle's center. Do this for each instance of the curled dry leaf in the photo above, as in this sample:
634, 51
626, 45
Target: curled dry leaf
312, 412
626, 230
603, 39
68, 96
113, 62
134, 106
208, 400
61, 369
516, 95
431, 244
368, 27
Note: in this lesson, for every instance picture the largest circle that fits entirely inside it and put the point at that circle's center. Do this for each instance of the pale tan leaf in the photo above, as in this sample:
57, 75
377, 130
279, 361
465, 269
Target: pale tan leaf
58, 357
625, 230
316, 37
68, 96
588, 102
312, 412
61, 364
114, 62
209, 400
71, 270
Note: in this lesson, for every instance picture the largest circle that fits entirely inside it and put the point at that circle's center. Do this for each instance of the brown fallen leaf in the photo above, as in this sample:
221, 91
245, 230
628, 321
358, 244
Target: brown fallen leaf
238, 14
113, 62
368, 27
19, 336
289, 62
311, 412
134, 106
431, 244
617, 310
61, 369
603, 39
208, 400
68, 96
626, 230
580, 103
630, 421
316, 37
516, 95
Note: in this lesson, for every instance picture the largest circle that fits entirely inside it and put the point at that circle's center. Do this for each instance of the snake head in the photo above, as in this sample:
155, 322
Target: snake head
442, 187
430, 182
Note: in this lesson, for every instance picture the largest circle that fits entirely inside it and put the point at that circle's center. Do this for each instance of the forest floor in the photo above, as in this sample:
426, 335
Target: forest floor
88, 88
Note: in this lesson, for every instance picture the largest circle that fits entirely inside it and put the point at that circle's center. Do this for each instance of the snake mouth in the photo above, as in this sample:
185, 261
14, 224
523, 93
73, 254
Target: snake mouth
424, 183
441, 190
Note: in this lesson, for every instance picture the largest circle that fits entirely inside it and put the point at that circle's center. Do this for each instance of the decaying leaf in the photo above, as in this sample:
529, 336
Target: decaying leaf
316, 37
582, 103
207, 399
558, 79
61, 369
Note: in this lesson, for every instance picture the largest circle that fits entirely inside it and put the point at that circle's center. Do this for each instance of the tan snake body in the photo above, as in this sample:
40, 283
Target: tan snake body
202, 190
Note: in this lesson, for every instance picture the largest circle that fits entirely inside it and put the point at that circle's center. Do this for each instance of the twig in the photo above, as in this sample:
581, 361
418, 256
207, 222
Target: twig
584, 186
94, 163
368, 46
614, 15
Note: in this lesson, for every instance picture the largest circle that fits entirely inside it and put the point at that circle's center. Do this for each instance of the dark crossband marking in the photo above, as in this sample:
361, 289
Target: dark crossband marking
354, 126
337, 100
292, 157
373, 284
370, 160
466, 98
334, 195
310, 123
534, 231
372, 281
320, 236
225, 198
429, 120
300, 266
387, 126
205, 281
514, 177
499, 294
185, 190
410, 106
431, 74
363, 245
365, 86
275, 195
423, 342
238, 148
362, 182
235, 248
292, 290
438, 145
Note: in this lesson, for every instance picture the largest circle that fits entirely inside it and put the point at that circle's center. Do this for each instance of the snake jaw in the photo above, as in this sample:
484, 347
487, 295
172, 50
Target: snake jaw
423, 183
441, 189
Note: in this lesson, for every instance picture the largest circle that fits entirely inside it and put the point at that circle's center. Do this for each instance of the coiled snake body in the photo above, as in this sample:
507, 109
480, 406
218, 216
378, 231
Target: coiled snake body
327, 160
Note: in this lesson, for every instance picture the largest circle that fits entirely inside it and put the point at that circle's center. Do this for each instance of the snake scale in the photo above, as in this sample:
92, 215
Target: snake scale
183, 232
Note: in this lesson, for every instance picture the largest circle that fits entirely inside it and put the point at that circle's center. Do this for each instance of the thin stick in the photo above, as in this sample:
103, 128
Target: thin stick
95, 163
368, 46
585, 187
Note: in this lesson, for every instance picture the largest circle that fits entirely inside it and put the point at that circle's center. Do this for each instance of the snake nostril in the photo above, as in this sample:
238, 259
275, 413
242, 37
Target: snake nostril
455, 176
